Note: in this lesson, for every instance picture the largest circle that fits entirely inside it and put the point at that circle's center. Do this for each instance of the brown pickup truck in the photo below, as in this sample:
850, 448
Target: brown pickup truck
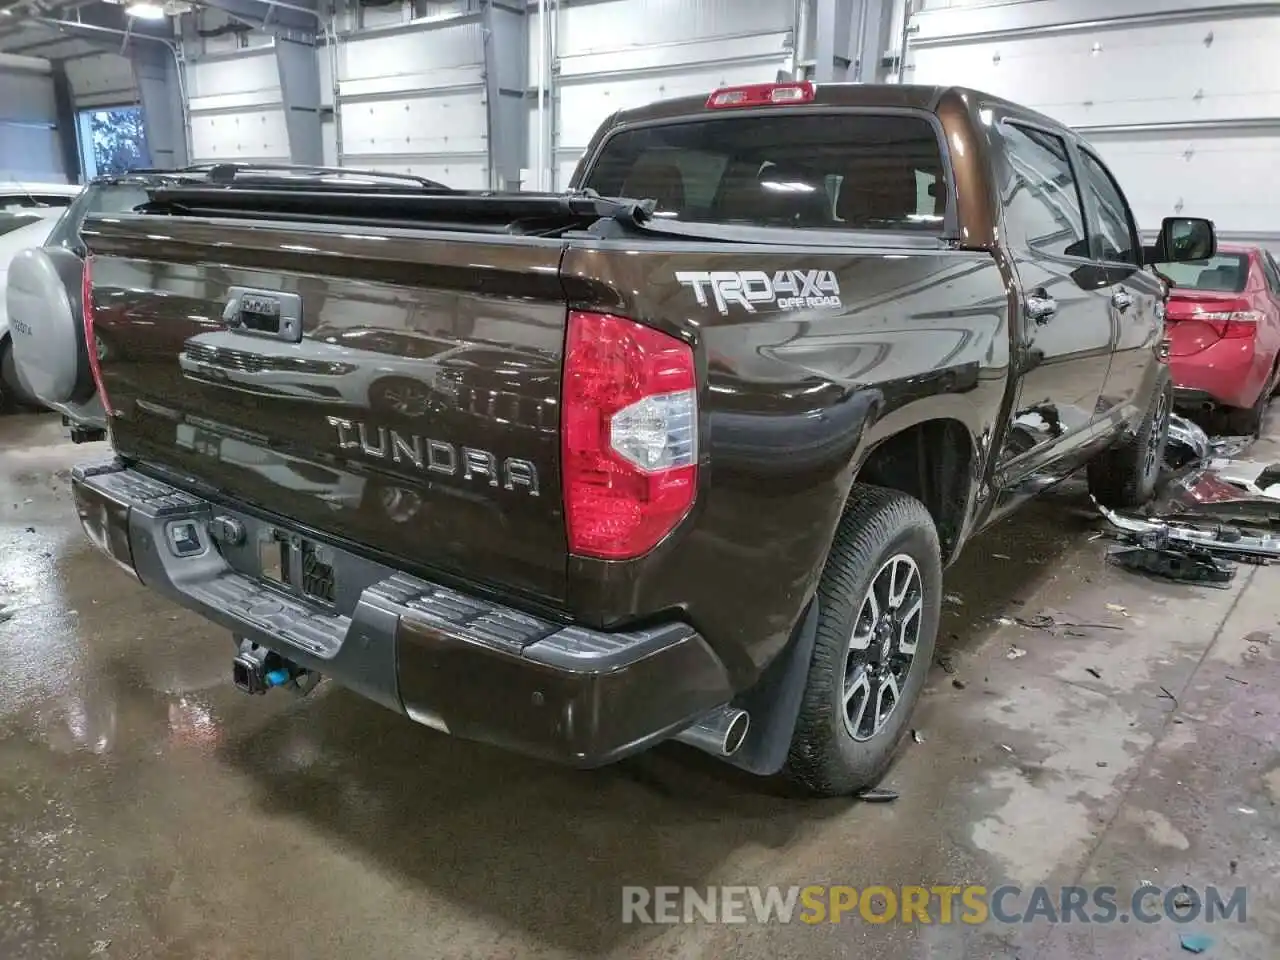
680, 453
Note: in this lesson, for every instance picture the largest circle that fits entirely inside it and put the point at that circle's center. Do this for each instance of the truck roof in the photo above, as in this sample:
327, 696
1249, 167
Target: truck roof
890, 95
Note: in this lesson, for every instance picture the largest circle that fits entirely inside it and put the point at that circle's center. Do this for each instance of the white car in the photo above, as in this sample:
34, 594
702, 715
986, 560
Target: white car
28, 212
17, 197
346, 368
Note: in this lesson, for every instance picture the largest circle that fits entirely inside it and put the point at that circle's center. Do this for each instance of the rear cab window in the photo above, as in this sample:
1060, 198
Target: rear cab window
1224, 273
828, 171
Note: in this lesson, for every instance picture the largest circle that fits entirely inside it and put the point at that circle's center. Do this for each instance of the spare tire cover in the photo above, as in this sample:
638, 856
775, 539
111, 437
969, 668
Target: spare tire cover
47, 325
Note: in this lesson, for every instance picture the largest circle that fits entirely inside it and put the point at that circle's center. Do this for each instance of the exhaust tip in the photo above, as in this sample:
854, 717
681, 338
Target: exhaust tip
720, 733
736, 734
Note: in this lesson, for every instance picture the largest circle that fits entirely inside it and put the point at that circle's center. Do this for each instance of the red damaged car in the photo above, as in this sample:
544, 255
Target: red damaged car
1223, 318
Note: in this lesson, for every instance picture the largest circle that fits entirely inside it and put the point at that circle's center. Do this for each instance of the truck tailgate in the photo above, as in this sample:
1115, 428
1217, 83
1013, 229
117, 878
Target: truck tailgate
394, 389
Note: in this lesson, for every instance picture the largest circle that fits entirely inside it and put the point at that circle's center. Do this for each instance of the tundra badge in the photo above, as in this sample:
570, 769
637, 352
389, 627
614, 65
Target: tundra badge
436, 456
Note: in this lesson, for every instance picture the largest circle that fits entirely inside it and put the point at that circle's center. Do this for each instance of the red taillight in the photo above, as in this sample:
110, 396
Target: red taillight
91, 338
1242, 324
629, 423
1233, 324
761, 95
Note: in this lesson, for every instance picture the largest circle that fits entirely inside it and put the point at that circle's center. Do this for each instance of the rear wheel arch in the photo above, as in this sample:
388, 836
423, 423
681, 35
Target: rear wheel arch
936, 462
889, 465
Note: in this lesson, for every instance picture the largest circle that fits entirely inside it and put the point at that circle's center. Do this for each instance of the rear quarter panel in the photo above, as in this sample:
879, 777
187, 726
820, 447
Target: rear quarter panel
791, 402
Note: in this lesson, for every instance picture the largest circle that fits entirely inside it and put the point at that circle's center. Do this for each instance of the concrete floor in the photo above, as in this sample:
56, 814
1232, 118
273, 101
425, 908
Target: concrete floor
147, 809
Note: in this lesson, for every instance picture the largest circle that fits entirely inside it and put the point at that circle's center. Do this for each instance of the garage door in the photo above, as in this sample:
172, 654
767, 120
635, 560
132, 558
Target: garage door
1183, 104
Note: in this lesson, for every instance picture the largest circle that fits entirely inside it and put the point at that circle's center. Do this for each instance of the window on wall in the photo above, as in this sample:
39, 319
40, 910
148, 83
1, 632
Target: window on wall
113, 140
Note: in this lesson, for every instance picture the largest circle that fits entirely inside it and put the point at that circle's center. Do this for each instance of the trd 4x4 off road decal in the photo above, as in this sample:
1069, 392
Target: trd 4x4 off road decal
749, 289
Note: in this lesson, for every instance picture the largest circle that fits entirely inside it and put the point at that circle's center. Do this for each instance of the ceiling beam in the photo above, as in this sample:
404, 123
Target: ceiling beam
108, 25
52, 39
63, 49
291, 19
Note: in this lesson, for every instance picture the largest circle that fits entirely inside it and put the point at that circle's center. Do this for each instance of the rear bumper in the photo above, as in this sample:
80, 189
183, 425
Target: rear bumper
455, 662
1226, 373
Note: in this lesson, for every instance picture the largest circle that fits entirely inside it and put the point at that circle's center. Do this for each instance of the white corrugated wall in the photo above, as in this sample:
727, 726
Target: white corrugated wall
411, 100
1182, 99
29, 147
615, 54
411, 93
102, 80
235, 107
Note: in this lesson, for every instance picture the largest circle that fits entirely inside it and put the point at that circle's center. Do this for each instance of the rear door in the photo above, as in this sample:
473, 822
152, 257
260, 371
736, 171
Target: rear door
387, 388
1065, 337
1127, 295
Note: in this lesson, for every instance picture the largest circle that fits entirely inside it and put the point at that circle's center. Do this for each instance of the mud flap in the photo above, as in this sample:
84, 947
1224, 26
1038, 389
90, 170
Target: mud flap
774, 702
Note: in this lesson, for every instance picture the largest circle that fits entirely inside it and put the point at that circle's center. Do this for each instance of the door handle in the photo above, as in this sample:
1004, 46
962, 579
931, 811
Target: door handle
1121, 298
1040, 307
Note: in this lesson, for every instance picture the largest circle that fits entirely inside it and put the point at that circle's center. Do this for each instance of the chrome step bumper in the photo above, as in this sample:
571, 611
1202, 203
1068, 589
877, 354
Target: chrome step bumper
460, 663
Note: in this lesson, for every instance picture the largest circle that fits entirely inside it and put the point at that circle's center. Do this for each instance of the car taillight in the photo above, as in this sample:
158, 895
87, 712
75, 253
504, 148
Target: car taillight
1234, 324
629, 422
761, 94
90, 337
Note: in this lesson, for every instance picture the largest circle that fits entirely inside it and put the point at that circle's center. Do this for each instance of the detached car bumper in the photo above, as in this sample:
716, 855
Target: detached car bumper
456, 662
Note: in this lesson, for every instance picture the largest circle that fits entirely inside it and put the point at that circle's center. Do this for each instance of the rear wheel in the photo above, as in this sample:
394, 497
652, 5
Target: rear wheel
879, 600
1126, 475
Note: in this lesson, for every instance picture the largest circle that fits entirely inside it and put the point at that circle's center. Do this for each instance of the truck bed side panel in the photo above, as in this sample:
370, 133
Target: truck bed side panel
793, 397
417, 417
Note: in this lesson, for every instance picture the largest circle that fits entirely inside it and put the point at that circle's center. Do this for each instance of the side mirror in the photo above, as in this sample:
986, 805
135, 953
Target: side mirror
1185, 239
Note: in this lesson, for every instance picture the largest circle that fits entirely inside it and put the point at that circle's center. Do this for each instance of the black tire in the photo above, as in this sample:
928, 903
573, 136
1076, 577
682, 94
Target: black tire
1126, 475
12, 393
878, 527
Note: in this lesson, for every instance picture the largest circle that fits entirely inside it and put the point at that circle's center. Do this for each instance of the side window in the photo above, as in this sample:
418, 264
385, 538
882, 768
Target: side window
1040, 196
1272, 271
1116, 236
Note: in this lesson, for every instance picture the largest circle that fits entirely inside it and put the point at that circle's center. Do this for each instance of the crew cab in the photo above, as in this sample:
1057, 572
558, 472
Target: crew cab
678, 454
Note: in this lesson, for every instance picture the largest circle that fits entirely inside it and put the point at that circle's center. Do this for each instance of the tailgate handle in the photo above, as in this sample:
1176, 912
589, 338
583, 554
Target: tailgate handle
264, 313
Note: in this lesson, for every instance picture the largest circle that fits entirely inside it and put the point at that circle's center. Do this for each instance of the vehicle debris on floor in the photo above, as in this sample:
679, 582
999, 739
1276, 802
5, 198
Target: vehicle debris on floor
1187, 443
1208, 516
1153, 553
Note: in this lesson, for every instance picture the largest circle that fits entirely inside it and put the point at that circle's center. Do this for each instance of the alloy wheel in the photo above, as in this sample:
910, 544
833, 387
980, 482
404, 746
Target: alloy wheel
1156, 439
886, 632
